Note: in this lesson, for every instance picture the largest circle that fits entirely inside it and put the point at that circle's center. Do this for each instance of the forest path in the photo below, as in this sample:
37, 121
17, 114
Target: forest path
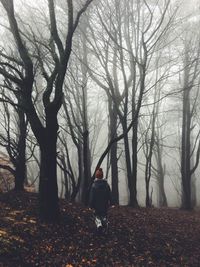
137, 237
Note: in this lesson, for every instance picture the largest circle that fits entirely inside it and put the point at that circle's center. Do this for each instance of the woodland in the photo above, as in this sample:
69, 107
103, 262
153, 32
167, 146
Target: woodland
87, 84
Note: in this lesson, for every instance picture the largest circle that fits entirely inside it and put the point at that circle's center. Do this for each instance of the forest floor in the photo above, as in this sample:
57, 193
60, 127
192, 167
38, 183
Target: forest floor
137, 237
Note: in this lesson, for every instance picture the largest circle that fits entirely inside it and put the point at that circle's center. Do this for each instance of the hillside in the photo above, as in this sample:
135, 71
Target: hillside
142, 237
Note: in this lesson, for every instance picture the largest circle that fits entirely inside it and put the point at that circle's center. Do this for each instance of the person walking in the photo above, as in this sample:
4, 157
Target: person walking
100, 201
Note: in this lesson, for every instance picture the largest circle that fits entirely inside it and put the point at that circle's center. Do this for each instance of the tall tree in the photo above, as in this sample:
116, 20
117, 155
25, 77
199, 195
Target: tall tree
13, 137
189, 101
130, 41
46, 135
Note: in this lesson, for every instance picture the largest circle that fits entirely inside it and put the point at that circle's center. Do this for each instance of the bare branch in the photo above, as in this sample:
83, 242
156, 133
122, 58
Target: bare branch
54, 31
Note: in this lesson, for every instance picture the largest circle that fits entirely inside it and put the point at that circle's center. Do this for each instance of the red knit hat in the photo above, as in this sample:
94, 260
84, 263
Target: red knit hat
99, 173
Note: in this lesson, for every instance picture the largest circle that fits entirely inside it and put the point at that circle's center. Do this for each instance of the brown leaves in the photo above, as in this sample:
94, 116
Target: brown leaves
155, 237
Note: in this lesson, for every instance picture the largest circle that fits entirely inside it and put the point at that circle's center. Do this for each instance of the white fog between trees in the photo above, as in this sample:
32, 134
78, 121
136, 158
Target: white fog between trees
78, 76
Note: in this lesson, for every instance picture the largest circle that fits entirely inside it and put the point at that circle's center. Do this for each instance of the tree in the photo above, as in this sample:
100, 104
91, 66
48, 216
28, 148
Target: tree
129, 41
189, 102
59, 54
160, 171
13, 139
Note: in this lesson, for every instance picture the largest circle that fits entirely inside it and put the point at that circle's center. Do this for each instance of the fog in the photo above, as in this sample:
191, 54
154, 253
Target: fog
133, 71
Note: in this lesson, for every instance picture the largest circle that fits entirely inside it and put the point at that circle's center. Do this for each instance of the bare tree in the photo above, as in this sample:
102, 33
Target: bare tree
13, 138
160, 172
59, 52
129, 41
189, 102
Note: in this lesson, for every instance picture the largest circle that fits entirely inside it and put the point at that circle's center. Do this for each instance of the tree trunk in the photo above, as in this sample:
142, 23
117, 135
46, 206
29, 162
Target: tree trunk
132, 200
86, 166
114, 174
193, 191
162, 199
148, 199
185, 162
76, 187
113, 153
147, 180
47, 140
185, 146
48, 188
20, 166
66, 179
134, 161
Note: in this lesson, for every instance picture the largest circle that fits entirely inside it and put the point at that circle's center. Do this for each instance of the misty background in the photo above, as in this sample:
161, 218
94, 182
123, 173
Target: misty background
133, 63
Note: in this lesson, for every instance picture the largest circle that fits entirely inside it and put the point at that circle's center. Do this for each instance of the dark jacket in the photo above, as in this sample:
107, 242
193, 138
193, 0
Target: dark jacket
100, 197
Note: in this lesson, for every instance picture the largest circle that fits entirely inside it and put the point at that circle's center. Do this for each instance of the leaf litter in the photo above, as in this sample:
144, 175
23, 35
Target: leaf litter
137, 237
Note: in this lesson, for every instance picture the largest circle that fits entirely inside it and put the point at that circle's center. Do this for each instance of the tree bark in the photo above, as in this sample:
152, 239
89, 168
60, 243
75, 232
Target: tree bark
134, 161
162, 199
48, 188
76, 186
185, 146
128, 168
148, 200
113, 154
20, 168
86, 166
